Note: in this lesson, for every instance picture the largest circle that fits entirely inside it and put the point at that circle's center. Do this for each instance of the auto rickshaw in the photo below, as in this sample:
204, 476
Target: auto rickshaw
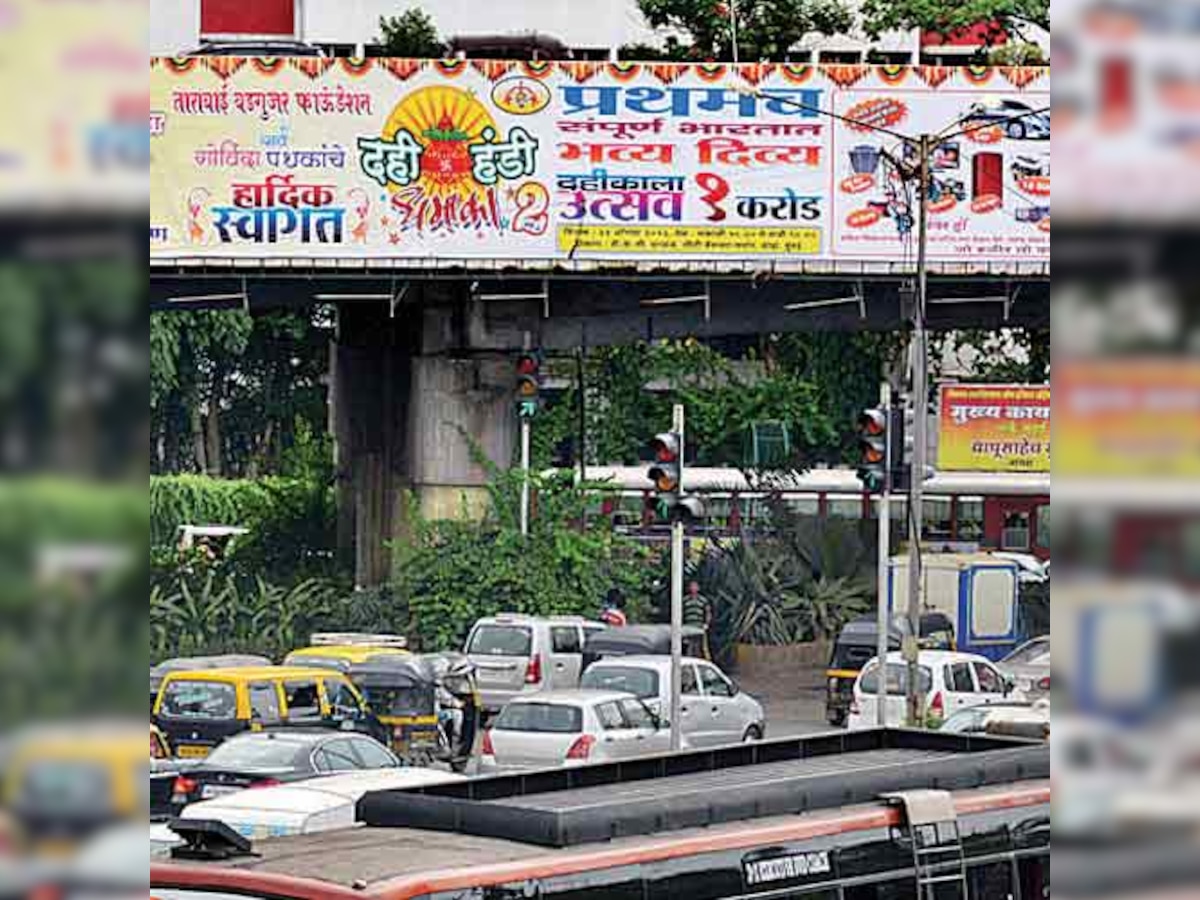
429, 705
858, 643
643, 640
341, 650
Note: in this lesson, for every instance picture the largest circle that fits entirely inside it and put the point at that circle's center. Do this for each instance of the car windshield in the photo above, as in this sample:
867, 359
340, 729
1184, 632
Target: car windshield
199, 700
642, 683
1036, 652
501, 640
897, 680
541, 718
59, 786
255, 752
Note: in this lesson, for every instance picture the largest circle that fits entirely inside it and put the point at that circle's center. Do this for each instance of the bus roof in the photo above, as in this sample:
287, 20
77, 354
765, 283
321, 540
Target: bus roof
658, 807
399, 863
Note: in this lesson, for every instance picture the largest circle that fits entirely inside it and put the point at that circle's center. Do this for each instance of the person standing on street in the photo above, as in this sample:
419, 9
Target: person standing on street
612, 612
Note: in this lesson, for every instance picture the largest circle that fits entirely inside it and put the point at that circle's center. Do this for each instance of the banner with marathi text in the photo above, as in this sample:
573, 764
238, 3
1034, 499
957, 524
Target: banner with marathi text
994, 428
580, 161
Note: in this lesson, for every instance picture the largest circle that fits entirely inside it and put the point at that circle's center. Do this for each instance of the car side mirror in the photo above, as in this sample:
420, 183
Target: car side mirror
1009, 686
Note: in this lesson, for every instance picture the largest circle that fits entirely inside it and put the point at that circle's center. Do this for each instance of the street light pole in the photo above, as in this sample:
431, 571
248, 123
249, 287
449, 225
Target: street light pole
920, 401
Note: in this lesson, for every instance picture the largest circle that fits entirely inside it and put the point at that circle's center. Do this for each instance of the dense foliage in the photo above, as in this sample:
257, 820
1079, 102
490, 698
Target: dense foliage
451, 573
292, 522
799, 580
239, 395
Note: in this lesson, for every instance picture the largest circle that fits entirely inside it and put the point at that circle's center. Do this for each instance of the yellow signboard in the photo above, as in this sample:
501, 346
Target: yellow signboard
994, 428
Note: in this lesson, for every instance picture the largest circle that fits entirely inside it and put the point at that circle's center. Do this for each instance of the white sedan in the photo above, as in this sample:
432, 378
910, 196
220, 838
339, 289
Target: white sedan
572, 728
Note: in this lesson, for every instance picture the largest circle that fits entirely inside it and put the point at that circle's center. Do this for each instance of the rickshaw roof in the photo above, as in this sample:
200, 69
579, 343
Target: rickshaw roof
407, 667
645, 637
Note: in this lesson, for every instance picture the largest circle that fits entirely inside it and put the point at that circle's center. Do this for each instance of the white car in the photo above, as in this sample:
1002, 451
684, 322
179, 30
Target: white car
950, 681
715, 710
305, 807
572, 728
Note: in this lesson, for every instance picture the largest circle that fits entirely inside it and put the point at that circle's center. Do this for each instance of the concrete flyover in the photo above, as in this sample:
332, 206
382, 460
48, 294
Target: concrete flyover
421, 365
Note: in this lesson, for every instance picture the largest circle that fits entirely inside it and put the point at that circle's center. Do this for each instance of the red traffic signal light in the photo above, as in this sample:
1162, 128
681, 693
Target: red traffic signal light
873, 422
665, 472
665, 447
529, 381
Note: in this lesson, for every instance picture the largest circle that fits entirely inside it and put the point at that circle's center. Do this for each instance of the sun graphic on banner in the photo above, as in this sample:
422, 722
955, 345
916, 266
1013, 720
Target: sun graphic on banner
446, 121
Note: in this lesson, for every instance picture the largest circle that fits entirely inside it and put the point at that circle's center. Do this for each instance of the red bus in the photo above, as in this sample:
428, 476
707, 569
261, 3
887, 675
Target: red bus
997, 511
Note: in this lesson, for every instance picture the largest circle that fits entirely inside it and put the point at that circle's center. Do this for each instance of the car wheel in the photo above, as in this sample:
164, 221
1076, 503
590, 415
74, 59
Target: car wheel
1016, 131
753, 735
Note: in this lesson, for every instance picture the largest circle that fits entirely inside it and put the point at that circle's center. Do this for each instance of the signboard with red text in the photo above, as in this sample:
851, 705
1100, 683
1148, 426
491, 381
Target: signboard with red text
994, 428
584, 161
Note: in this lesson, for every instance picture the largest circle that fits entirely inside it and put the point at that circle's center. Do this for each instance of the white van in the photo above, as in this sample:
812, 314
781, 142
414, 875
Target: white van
516, 655
306, 807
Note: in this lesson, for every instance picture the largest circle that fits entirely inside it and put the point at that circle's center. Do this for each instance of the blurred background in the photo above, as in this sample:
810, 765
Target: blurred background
74, 155
1126, 504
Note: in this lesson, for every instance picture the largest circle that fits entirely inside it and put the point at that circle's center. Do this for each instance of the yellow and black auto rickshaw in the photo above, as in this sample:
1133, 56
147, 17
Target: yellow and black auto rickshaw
429, 705
858, 643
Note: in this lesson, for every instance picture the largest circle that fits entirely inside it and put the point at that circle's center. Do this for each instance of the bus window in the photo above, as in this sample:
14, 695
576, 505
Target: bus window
992, 881
1033, 872
970, 519
892, 889
845, 507
939, 524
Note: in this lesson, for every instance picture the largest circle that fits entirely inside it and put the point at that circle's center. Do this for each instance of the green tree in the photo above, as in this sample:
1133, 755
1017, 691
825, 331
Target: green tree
1009, 356
1012, 18
411, 34
766, 29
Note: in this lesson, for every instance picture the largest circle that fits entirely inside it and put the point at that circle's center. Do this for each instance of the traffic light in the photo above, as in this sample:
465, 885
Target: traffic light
873, 432
668, 502
666, 472
902, 430
529, 383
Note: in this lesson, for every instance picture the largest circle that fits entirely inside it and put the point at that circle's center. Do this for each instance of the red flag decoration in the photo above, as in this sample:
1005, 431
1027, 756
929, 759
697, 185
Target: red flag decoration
313, 66
401, 69
223, 66
935, 76
493, 69
582, 71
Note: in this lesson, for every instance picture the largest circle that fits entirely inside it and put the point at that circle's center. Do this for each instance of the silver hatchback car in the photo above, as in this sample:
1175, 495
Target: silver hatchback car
715, 710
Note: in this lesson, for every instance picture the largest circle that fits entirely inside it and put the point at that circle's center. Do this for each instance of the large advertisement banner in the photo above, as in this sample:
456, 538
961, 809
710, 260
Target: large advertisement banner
578, 162
994, 428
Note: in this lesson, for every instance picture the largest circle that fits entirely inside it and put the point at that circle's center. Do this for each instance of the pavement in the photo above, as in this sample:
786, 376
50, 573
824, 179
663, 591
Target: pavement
790, 713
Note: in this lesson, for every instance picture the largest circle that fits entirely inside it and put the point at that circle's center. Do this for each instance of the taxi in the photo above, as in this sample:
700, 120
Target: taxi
197, 710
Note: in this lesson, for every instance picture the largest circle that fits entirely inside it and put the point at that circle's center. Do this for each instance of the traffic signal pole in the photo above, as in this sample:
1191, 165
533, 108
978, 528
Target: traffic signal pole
885, 557
920, 400
526, 440
677, 600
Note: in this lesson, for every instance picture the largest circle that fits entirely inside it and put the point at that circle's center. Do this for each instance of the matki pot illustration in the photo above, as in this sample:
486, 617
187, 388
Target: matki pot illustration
864, 159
